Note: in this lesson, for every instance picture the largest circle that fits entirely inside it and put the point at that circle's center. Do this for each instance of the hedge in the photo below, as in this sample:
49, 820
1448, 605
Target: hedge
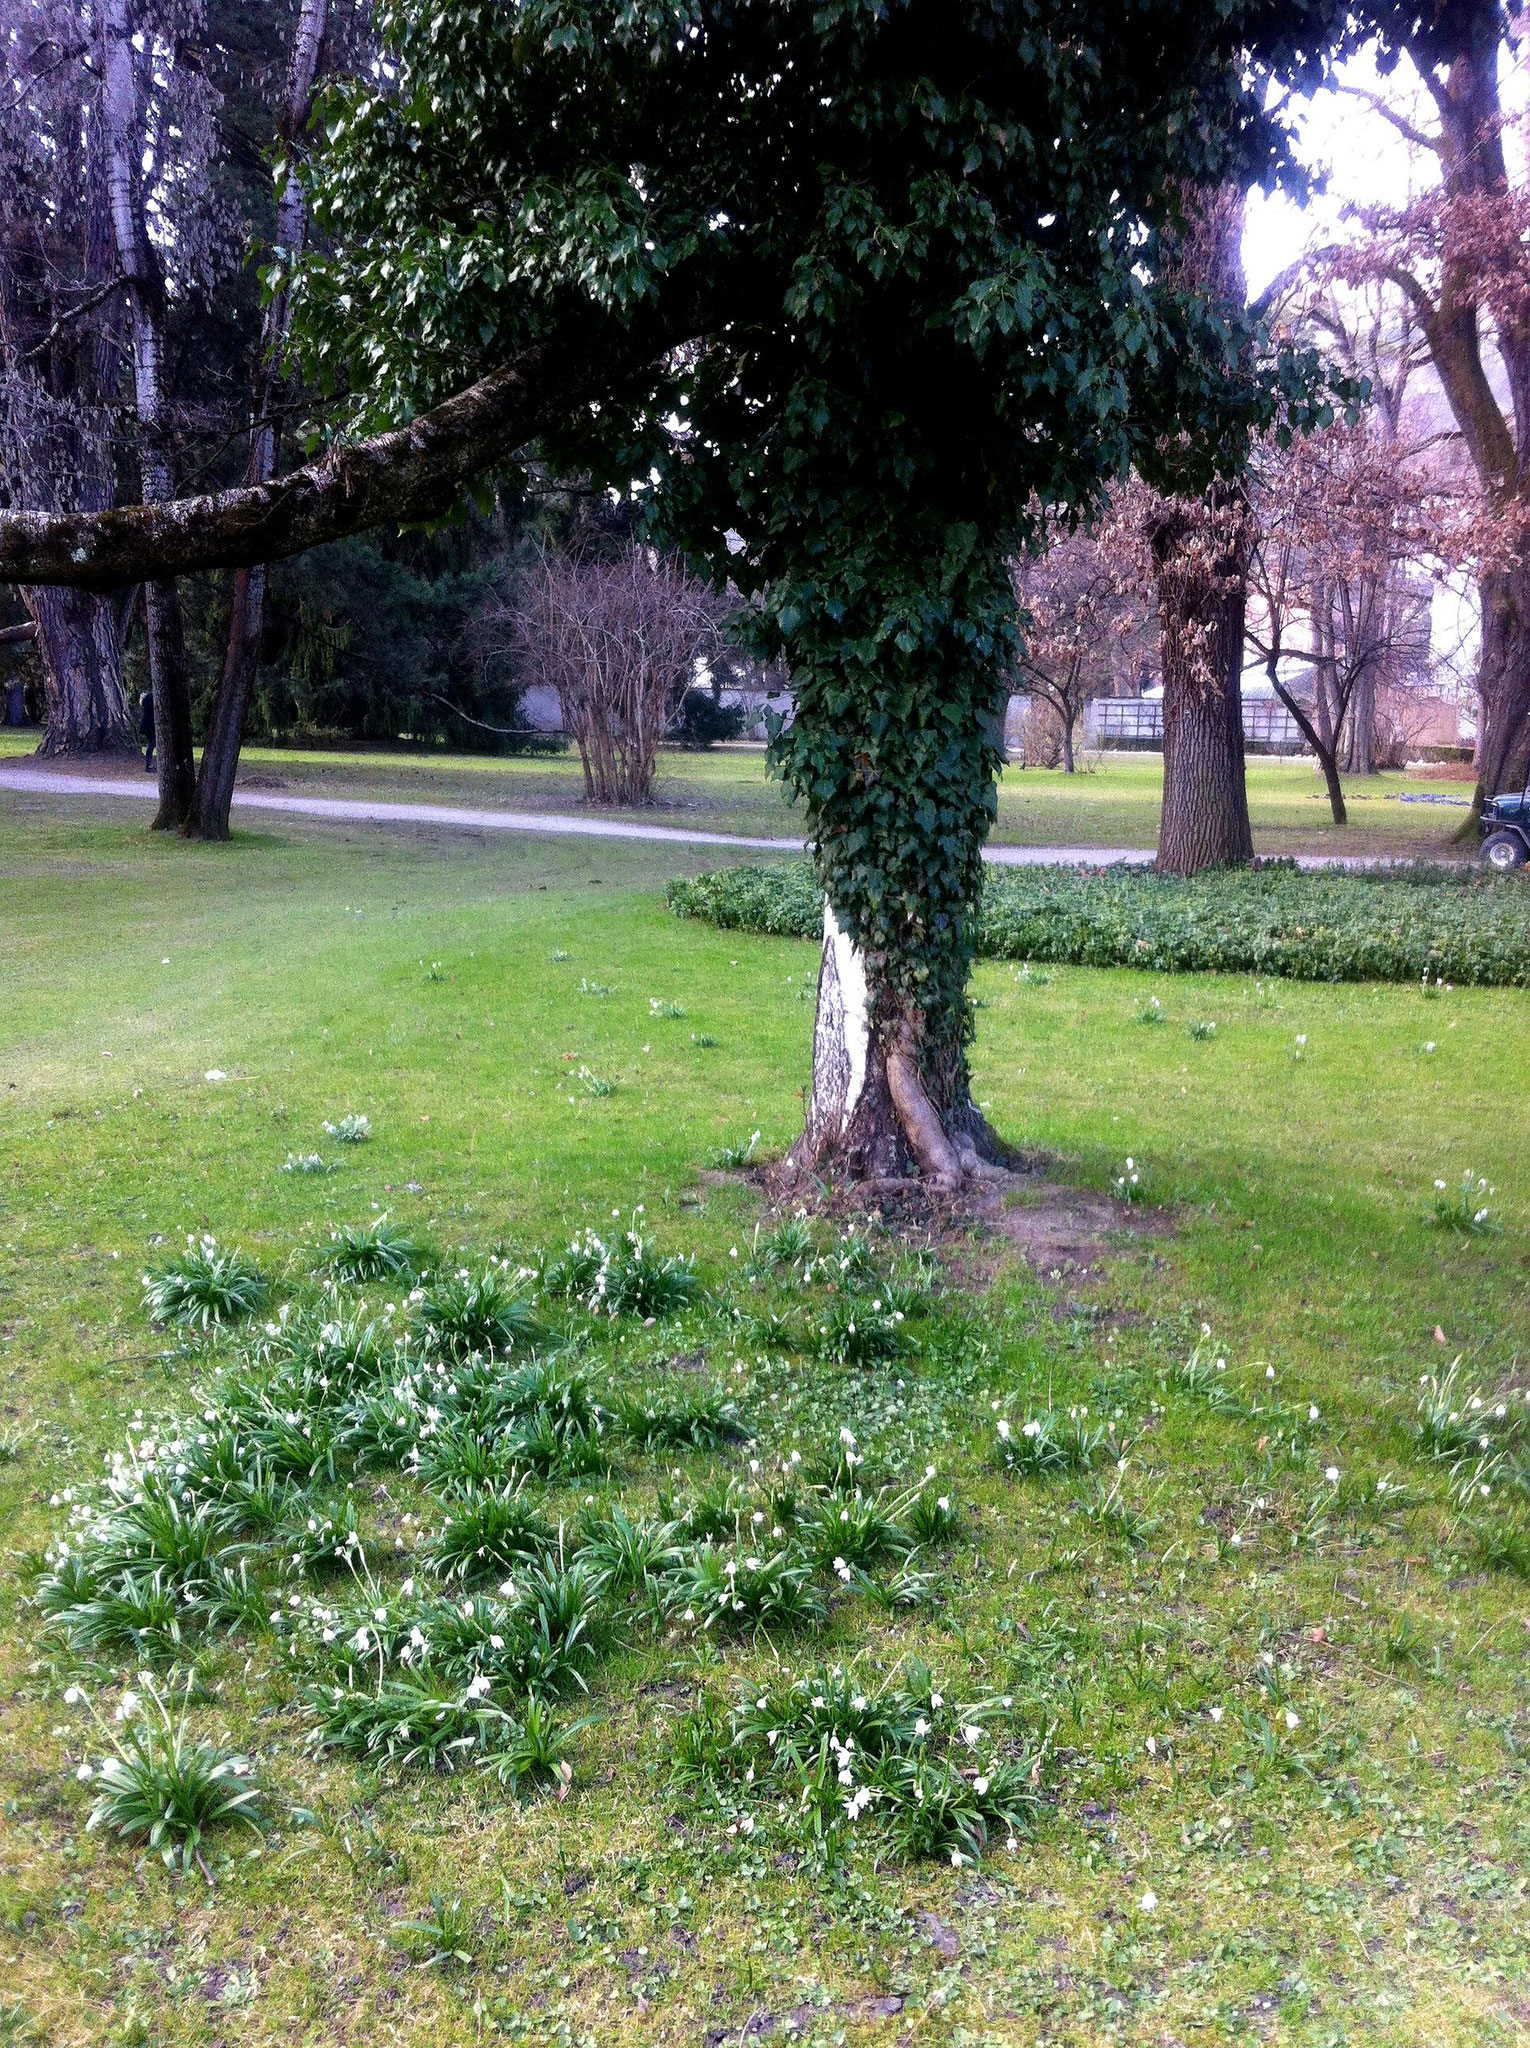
1396, 924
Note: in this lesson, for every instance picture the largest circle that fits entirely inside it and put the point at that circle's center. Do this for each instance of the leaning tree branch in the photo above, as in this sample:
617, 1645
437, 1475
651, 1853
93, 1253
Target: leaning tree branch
410, 473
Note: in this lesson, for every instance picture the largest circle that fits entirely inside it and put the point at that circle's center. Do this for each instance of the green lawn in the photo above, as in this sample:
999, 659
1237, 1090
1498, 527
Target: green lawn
728, 790
1357, 1877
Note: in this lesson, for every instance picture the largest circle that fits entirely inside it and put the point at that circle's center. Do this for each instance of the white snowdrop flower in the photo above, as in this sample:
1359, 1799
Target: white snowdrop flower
1003, 1432
1293, 1720
1430, 1046
215, 1074
944, 1504
980, 1786
1235, 1540
1301, 1038
85, 1773
1149, 1902
1130, 1165
921, 1726
127, 1706
73, 1696
1217, 1713
746, 1824
480, 1687
957, 1859
937, 1700
1331, 1474
1032, 1428
1312, 1413
972, 1735
1152, 1746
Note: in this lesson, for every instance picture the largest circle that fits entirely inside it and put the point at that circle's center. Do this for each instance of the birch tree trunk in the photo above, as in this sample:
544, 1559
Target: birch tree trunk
225, 733
123, 139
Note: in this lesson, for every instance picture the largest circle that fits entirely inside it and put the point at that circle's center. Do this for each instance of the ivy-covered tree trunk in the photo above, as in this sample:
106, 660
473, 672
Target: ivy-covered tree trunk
894, 746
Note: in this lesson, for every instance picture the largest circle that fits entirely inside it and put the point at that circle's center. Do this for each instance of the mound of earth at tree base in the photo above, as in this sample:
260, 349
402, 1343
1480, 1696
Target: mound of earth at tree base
1060, 1231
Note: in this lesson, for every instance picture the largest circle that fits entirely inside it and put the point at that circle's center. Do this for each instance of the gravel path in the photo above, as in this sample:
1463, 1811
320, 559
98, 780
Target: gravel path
372, 811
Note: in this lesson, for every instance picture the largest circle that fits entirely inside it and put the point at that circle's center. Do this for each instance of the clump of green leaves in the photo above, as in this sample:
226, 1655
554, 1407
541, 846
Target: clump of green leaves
162, 1786
490, 1310
364, 1252
1464, 1211
205, 1287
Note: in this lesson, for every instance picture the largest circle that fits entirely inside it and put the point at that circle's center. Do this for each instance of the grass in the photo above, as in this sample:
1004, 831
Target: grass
1352, 1877
727, 790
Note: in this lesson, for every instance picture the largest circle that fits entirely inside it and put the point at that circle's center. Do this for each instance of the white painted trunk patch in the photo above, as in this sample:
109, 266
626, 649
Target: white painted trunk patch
851, 1022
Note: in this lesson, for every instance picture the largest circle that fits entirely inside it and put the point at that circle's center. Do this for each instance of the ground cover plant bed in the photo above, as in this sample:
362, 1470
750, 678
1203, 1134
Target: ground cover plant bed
1452, 926
1215, 1624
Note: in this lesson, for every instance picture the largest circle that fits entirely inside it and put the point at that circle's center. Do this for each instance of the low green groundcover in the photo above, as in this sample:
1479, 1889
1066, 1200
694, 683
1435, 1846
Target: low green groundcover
1400, 924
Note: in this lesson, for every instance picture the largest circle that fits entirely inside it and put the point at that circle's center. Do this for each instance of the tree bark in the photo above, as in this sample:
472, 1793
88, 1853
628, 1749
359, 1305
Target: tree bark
1201, 549
408, 474
225, 732
81, 651
122, 126
1503, 678
1200, 565
889, 1095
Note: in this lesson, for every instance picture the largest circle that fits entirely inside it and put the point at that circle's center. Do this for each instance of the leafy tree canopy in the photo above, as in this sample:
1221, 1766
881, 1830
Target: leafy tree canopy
869, 281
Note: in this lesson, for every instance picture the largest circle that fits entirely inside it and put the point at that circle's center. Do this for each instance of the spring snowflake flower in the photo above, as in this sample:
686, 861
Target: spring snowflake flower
1293, 1720
1331, 1474
85, 1773
215, 1074
1149, 1902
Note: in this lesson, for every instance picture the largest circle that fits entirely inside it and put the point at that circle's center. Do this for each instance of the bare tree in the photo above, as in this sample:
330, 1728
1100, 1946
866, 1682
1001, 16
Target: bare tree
225, 734
619, 637
61, 353
1335, 522
1082, 610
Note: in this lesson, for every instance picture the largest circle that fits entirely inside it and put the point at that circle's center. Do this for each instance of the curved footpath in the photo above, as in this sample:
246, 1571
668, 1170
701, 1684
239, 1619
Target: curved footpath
371, 811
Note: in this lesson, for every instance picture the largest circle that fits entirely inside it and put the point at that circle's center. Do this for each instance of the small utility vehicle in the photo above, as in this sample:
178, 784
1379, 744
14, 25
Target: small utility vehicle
1506, 830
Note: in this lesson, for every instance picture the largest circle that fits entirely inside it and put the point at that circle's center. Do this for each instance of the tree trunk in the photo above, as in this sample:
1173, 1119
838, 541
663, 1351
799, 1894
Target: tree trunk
1335, 788
81, 651
1503, 680
122, 134
1362, 724
225, 733
1067, 729
1200, 564
890, 1095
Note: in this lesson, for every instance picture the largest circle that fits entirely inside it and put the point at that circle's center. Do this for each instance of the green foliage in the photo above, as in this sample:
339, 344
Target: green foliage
1466, 1212
204, 1288
1384, 926
363, 1252
489, 1310
922, 262
163, 1786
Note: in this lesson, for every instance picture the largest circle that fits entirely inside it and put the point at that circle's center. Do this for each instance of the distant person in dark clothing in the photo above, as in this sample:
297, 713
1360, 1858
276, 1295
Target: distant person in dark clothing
146, 728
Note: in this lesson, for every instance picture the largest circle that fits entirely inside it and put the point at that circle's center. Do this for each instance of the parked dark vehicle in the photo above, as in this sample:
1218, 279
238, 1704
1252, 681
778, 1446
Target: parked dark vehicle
1506, 830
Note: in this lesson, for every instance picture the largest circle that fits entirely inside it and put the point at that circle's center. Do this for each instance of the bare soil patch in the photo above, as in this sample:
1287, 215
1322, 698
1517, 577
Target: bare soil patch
1061, 1232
